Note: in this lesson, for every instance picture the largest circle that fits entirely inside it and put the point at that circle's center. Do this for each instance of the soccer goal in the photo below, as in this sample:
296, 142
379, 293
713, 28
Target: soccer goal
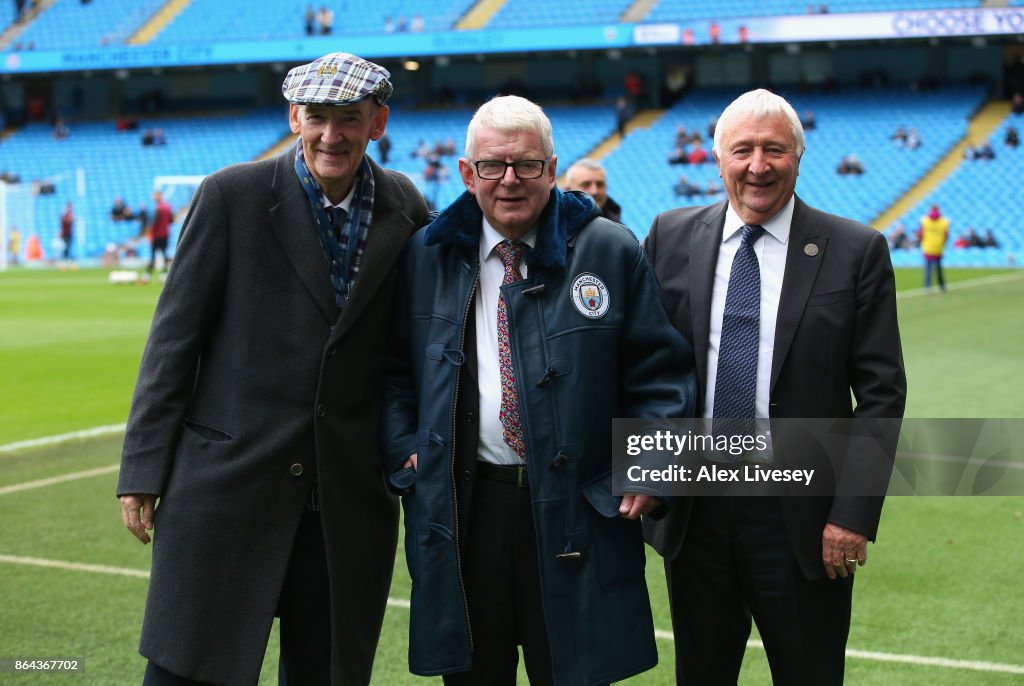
177, 190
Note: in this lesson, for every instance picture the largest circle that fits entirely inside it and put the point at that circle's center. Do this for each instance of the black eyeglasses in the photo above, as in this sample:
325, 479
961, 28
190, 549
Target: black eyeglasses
495, 169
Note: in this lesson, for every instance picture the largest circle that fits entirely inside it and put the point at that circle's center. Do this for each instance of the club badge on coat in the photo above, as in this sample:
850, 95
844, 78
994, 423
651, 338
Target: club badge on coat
590, 296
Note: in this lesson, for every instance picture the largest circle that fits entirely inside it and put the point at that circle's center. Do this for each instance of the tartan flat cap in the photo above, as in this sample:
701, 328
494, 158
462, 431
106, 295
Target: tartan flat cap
337, 79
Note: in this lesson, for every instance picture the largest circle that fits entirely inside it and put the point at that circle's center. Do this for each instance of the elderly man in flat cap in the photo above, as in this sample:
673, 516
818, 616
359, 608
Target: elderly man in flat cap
252, 443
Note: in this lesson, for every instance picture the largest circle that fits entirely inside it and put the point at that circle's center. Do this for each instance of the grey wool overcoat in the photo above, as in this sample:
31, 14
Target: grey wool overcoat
251, 386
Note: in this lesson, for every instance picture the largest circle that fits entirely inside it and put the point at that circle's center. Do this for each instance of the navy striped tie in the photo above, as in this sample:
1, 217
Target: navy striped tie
736, 381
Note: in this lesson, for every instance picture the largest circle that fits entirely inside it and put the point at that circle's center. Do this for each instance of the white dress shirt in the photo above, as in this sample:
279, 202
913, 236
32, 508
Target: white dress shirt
771, 256
492, 446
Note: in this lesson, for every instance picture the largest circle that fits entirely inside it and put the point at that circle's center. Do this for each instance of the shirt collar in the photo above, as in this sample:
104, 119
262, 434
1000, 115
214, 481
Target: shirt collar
489, 237
345, 203
778, 226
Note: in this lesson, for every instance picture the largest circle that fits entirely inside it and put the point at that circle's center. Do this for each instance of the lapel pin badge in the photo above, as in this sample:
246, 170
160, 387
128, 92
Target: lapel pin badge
810, 250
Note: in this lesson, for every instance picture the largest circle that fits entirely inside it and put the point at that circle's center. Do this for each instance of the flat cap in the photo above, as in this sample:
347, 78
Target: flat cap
337, 79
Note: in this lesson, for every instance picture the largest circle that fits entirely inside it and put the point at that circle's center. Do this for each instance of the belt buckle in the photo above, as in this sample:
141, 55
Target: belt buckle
521, 476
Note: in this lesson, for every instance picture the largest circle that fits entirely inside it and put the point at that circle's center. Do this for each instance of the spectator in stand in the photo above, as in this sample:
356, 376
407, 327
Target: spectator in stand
403, 24
898, 239
808, 121
961, 241
973, 239
913, 141
417, 25
715, 33
712, 125
325, 17
1017, 104
389, 24
678, 156
449, 148
126, 122
635, 88
589, 176
435, 171
698, 155
422, 150
161, 231
712, 188
621, 114
310, 20
147, 137
1012, 137
685, 189
990, 240
119, 211
682, 135
159, 138
60, 129
899, 137
67, 232
384, 148
934, 234
850, 165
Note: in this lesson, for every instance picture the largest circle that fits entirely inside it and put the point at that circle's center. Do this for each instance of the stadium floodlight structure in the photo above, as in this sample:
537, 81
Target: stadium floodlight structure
17, 211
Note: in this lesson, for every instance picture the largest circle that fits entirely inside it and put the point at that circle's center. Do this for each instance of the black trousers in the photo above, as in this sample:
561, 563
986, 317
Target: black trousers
736, 563
502, 580
304, 609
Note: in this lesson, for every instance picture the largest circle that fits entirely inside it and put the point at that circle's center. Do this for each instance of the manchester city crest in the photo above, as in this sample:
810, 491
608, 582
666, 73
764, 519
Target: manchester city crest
590, 296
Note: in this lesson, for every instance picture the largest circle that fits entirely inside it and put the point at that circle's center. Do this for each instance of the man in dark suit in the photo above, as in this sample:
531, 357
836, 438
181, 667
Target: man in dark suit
255, 415
789, 310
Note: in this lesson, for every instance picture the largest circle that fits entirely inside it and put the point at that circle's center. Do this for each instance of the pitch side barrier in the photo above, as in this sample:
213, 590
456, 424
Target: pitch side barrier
818, 457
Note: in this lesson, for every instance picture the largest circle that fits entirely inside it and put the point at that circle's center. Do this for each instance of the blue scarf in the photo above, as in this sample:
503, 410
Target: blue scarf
345, 255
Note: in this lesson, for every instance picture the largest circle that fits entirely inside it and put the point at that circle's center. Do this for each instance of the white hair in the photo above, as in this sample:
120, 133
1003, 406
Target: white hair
583, 163
759, 104
508, 113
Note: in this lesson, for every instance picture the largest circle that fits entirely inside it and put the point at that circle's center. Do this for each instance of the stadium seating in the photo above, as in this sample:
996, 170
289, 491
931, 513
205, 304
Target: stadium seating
675, 10
7, 14
69, 24
641, 180
206, 20
983, 195
521, 14
116, 164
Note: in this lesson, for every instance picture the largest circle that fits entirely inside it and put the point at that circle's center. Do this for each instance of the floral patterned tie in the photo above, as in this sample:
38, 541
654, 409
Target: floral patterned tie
511, 253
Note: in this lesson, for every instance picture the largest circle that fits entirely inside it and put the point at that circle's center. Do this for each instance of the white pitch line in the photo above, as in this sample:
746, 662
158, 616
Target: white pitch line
62, 438
73, 476
960, 285
74, 566
658, 633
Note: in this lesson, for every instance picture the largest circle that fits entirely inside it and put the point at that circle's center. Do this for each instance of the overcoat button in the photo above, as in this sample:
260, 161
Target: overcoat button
296, 469
321, 410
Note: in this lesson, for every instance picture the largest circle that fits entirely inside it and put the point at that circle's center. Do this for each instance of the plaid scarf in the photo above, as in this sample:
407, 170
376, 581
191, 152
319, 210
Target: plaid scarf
343, 255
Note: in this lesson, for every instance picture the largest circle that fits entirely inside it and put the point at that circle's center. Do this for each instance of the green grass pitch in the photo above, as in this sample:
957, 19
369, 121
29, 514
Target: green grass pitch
943, 580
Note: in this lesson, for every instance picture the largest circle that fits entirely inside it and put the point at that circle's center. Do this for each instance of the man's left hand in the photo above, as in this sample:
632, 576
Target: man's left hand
842, 550
633, 506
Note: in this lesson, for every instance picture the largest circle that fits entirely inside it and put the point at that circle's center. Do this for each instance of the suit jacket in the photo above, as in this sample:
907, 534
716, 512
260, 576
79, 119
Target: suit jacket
836, 331
252, 389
